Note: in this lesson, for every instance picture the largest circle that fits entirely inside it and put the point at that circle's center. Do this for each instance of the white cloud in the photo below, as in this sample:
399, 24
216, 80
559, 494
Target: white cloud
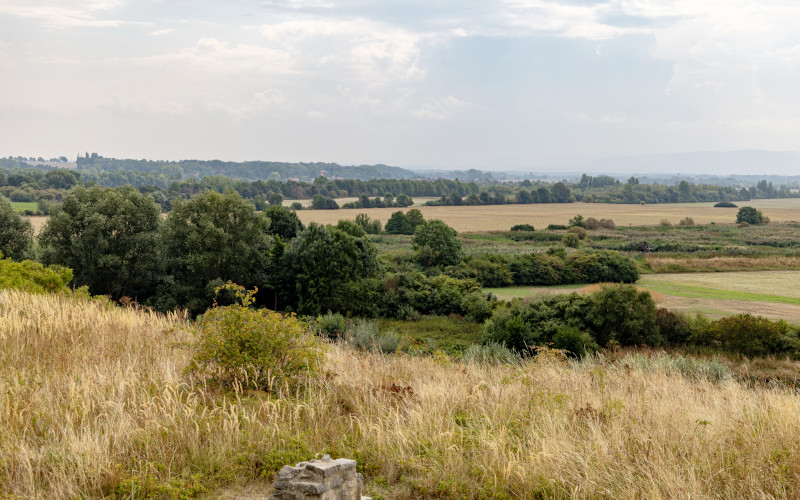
269, 97
441, 109
63, 14
161, 32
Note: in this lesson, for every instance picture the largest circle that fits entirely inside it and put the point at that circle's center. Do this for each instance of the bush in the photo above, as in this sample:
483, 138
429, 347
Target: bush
592, 223
16, 233
476, 306
625, 315
555, 227
749, 335
575, 341
578, 231
255, 349
331, 325
571, 240
33, 277
296, 205
686, 221
522, 227
674, 328
725, 204
576, 221
322, 202
665, 223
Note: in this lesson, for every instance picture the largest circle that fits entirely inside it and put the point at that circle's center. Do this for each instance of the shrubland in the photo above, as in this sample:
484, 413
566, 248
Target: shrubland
98, 402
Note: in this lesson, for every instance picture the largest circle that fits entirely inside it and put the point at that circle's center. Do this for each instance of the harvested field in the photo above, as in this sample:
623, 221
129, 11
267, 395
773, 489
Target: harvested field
502, 217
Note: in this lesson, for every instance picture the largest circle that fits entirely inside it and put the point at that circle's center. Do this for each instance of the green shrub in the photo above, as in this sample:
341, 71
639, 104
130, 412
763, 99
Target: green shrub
579, 231
363, 334
255, 349
571, 240
674, 328
750, 215
33, 277
749, 335
522, 227
490, 353
331, 325
576, 221
725, 204
625, 315
389, 342
575, 341
555, 227
476, 306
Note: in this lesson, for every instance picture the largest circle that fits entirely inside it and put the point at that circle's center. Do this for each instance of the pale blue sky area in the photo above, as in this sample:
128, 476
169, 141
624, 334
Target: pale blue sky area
449, 84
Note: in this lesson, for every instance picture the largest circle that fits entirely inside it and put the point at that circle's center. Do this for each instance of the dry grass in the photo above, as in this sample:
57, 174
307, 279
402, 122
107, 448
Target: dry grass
660, 264
95, 403
502, 217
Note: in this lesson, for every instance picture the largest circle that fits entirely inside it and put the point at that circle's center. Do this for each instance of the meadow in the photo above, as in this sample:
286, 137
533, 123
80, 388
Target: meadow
22, 206
97, 402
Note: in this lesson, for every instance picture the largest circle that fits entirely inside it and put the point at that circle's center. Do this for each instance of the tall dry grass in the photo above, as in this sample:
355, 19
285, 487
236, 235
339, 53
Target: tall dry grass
660, 264
94, 402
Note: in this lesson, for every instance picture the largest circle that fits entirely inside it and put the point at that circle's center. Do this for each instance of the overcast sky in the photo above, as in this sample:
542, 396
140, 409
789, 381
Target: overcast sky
413, 83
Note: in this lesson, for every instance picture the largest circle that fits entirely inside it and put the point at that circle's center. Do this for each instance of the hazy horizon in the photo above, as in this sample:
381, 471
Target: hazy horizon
491, 85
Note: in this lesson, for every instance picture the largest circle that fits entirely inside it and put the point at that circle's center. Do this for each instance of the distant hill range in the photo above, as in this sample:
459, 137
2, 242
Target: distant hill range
248, 170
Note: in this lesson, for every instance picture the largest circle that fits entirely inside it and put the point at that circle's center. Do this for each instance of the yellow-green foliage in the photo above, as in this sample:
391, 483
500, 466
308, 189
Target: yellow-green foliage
94, 402
33, 277
256, 349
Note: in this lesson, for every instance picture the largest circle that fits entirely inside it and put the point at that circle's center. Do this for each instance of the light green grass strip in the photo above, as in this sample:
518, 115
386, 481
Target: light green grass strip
525, 292
700, 292
21, 206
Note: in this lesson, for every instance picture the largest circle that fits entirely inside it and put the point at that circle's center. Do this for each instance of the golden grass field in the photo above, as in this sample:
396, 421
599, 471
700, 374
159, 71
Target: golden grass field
95, 402
502, 217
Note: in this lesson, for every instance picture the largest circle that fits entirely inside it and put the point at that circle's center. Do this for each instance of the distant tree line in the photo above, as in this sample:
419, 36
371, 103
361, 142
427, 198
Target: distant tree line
118, 244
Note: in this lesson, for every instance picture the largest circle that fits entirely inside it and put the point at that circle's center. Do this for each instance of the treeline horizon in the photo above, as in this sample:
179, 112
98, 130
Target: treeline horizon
48, 185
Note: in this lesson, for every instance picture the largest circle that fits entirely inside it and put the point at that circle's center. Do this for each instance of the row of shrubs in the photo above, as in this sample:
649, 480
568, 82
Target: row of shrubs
622, 315
556, 267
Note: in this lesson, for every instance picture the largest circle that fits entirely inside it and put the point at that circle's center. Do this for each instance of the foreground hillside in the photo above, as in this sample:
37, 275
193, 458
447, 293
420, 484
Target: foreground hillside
95, 401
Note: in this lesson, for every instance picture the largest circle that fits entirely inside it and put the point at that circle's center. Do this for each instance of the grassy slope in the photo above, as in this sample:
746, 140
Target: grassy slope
95, 403
21, 206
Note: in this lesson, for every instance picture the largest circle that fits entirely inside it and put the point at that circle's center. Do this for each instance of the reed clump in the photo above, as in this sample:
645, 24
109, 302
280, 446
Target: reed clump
96, 402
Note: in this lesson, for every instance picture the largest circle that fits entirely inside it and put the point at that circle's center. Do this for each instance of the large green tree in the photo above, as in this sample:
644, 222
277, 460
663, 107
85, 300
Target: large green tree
16, 233
108, 237
208, 240
436, 244
320, 261
283, 222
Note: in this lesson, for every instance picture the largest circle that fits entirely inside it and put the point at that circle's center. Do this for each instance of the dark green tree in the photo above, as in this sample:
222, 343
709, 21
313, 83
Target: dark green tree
108, 237
16, 232
560, 193
398, 223
283, 222
320, 261
436, 244
210, 239
749, 215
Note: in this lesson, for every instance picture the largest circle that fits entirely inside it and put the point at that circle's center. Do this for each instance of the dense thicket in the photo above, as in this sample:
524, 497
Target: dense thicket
621, 315
16, 233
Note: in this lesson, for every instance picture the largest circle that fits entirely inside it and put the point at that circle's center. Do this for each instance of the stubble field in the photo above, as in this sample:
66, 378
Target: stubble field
502, 217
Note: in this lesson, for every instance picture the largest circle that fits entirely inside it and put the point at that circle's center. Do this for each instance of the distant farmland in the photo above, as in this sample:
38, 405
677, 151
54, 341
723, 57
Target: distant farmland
502, 217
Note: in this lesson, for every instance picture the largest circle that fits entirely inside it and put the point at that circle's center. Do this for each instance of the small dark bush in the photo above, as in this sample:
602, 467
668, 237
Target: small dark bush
725, 204
674, 328
555, 227
522, 227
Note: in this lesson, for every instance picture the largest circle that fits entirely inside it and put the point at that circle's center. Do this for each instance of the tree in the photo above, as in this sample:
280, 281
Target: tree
16, 233
109, 237
322, 202
416, 218
398, 223
749, 215
436, 244
321, 261
211, 239
283, 222
560, 193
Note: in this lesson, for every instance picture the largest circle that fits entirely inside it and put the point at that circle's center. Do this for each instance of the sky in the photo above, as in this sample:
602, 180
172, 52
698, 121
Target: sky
491, 84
